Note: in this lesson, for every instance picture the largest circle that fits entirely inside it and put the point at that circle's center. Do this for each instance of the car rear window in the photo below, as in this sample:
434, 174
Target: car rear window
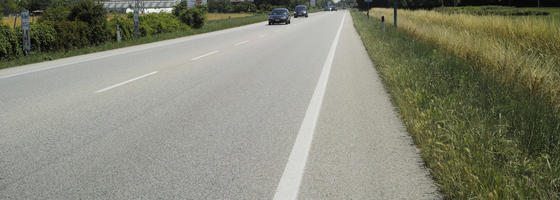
278, 12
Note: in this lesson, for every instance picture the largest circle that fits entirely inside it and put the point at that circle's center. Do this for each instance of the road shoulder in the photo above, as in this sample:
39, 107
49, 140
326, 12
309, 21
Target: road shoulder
361, 149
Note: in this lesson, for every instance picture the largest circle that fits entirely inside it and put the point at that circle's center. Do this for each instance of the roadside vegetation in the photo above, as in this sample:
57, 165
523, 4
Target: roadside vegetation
518, 51
219, 16
210, 26
69, 28
84, 23
496, 10
478, 94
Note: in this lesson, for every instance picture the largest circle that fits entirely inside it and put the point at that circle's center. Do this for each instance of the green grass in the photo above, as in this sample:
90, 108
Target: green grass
480, 138
210, 26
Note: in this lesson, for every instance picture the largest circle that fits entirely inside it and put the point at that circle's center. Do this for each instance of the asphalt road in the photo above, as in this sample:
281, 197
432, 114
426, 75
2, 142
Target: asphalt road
255, 112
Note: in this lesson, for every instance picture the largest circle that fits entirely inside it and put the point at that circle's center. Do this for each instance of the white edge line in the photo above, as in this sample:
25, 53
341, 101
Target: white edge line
125, 82
240, 43
202, 56
288, 187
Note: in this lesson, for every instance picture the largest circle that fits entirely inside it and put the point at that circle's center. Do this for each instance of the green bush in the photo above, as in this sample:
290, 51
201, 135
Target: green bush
245, 7
72, 34
199, 16
158, 23
55, 14
96, 18
219, 6
43, 36
10, 43
194, 17
126, 25
150, 24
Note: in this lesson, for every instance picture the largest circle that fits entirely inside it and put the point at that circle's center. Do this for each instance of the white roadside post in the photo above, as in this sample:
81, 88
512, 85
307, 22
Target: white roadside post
26, 32
118, 34
136, 13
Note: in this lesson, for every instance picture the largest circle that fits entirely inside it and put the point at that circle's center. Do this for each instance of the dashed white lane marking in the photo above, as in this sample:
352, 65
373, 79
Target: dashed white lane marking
202, 56
289, 185
125, 82
101, 55
240, 43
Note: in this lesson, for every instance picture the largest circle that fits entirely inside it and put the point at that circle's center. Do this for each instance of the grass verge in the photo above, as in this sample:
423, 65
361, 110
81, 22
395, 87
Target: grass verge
210, 26
218, 16
497, 10
518, 51
480, 138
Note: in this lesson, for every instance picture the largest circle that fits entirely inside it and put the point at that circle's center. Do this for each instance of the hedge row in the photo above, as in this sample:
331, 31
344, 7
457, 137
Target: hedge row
84, 23
10, 43
150, 24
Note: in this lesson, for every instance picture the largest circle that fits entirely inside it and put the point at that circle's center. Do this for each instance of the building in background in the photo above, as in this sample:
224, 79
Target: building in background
147, 6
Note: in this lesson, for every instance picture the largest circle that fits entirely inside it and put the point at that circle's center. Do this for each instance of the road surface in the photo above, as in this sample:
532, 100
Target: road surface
255, 112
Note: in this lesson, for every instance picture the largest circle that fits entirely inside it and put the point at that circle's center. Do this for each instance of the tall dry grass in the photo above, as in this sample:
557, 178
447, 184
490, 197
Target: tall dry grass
481, 139
523, 52
220, 16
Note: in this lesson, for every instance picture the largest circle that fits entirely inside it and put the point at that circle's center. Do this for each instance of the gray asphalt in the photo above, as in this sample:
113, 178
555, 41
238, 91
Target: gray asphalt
171, 126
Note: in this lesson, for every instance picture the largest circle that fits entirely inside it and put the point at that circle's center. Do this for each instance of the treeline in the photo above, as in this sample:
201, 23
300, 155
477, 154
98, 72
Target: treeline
417, 4
225, 6
8, 7
83, 23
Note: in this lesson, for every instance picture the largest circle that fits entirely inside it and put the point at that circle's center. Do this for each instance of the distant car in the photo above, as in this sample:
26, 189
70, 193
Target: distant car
334, 8
279, 15
327, 8
300, 10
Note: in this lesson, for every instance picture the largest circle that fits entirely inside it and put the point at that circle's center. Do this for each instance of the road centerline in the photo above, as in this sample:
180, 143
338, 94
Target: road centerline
126, 82
288, 187
242, 42
202, 56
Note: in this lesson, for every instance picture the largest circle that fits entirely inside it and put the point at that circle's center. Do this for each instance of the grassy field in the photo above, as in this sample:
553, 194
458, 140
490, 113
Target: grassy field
498, 10
476, 94
210, 26
10, 21
518, 51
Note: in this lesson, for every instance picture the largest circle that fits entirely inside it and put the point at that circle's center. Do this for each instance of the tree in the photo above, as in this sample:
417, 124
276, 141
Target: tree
94, 15
219, 5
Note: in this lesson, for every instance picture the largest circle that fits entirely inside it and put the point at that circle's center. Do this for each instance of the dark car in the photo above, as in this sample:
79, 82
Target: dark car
279, 15
327, 8
334, 8
300, 10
